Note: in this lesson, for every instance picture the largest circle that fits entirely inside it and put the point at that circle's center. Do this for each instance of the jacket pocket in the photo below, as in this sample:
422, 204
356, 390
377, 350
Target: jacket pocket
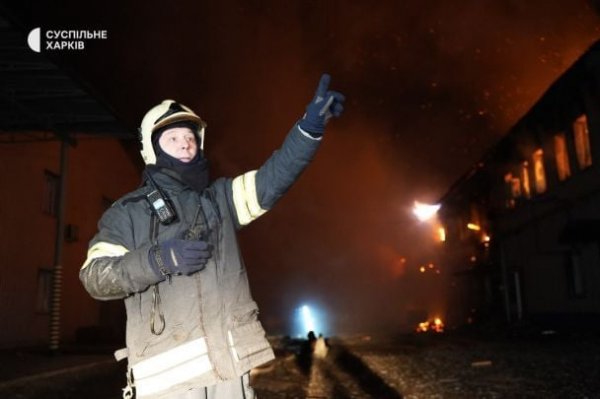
247, 340
244, 314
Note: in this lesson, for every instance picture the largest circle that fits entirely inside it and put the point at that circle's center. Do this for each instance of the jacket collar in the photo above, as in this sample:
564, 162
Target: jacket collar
167, 179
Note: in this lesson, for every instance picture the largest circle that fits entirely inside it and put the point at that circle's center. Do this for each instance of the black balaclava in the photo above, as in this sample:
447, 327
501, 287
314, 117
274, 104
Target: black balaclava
193, 173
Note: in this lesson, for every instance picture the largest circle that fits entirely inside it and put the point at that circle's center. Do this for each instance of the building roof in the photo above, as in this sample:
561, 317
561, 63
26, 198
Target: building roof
39, 100
552, 112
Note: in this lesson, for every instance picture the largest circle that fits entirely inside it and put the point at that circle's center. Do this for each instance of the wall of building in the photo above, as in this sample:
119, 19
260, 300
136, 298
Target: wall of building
97, 169
531, 234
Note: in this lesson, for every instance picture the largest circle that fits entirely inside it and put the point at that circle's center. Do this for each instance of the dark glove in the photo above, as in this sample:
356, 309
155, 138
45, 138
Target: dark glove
176, 256
324, 105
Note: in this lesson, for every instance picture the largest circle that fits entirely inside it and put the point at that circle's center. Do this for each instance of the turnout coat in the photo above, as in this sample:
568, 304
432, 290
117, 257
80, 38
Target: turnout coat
190, 331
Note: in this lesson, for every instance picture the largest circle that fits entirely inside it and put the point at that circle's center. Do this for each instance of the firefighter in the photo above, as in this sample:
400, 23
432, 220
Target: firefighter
169, 249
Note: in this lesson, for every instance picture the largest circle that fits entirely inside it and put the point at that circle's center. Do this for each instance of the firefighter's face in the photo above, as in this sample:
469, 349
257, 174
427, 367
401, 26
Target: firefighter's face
179, 142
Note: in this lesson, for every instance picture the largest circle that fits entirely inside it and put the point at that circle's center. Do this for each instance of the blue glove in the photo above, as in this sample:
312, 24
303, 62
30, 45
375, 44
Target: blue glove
324, 105
177, 256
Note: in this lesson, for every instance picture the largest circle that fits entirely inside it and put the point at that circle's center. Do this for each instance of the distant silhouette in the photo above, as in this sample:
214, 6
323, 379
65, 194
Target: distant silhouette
320, 350
304, 358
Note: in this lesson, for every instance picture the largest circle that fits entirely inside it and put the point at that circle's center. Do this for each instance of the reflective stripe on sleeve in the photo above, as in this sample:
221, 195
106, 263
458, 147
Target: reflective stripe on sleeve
172, 367
245, 198
102, 249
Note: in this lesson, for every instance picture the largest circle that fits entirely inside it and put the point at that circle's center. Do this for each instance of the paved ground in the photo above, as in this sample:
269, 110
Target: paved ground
413, 366
450, 367
37, 373
441, 366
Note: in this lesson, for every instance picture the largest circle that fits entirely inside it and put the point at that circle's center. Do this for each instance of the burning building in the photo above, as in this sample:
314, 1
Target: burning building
522, 226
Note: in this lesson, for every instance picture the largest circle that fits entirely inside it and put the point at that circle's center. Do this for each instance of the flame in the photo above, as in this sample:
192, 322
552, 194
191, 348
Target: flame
423, 327
436, 325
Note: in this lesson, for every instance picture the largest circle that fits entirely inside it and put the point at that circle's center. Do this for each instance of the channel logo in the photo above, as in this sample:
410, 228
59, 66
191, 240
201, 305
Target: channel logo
63, 39
34, 40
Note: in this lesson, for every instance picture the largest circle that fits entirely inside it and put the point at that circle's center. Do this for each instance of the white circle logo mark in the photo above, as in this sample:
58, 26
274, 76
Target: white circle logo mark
33, 40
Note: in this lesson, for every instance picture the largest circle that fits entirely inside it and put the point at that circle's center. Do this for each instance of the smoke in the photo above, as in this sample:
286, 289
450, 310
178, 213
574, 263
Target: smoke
430, 86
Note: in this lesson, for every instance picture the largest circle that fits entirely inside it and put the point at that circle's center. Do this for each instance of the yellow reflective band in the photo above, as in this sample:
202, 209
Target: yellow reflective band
172, 367
102, 249
245, 198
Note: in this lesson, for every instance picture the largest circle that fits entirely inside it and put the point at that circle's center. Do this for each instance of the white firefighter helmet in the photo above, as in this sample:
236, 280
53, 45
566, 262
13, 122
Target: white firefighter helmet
166, 113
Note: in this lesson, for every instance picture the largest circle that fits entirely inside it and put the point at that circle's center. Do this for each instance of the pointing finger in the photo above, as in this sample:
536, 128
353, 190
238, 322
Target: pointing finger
323, 86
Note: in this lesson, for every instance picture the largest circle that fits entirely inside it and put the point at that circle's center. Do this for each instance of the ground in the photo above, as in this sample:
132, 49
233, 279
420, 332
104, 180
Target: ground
441, 366
411, 366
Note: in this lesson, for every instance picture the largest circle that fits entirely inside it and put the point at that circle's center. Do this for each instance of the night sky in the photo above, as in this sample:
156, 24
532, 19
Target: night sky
430, 86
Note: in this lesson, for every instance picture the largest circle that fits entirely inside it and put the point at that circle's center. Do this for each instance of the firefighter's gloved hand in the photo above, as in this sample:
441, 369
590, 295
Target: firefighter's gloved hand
324, 105
177, 256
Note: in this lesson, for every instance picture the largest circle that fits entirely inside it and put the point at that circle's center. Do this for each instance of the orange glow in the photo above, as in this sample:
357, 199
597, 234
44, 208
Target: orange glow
473, 226
582, 142
442, 234
422, 269
539, 171
561, 155
525, 178
486, 238
395, 263
514, 185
